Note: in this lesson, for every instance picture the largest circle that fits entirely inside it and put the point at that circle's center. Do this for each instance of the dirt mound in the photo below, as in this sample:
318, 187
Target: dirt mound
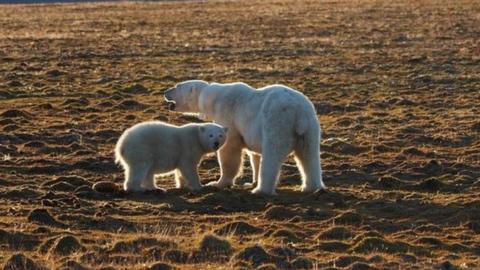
375, 244
66, 245
130, 104
303, 263
344, 148
333, 246
15, 114
212, 245
42, 216
55, 73
73, 180
20, 261
160, 266
279, 213
137, 245
175, 256
348, 217
286, 236
136, 89
344, 261
18, 240
336, 233
255, 255
73, 265
238, 228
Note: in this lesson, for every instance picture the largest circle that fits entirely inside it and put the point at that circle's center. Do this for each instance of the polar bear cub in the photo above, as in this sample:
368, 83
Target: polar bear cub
151, 148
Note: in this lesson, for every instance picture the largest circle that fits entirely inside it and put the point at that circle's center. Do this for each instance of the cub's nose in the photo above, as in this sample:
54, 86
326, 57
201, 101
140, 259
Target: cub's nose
216, 145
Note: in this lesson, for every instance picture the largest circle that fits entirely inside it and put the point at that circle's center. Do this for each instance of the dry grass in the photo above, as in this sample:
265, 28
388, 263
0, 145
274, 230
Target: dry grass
396, 86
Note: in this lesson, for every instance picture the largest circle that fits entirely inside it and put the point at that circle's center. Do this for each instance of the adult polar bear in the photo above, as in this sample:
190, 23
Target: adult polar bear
273, 122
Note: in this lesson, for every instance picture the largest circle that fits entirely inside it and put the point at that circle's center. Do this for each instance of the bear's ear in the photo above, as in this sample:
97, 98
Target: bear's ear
225, 129
202, 129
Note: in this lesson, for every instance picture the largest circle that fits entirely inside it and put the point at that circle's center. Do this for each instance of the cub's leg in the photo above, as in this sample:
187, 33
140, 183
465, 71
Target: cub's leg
135, 175
189, 173
179, 180
148, 182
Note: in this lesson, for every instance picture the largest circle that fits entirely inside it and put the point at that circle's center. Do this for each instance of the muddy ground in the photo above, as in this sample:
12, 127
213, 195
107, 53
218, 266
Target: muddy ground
396, 87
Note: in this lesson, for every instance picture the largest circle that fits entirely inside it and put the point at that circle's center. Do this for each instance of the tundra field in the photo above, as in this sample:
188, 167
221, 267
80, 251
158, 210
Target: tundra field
397, 91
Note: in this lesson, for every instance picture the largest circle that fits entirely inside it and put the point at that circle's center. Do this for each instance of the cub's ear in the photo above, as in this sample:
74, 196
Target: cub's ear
225, 129
202, 129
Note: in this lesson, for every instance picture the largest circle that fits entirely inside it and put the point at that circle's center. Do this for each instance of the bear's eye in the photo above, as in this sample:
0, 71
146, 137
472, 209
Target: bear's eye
211, 136
221, 136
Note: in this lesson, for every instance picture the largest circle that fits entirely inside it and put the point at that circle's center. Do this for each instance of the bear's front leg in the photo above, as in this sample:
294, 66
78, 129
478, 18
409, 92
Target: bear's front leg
230, 159
189, 173
179, 180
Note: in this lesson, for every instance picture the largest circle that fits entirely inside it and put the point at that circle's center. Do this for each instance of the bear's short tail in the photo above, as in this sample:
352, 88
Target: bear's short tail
303, 120
118, 151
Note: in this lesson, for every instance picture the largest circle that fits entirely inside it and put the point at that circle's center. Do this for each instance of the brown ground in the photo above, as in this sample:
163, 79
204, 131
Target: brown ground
396, 86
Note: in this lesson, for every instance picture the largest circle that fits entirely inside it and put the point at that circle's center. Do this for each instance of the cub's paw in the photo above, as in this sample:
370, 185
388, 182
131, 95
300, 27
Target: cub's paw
217, 184
248, 185
311, 189
258, 191
155, 191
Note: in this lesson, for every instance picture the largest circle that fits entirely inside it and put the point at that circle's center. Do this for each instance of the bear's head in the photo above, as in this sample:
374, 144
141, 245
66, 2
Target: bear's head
184, 96
212, 136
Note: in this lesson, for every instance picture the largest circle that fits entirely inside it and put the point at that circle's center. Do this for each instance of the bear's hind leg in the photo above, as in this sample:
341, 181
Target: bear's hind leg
307, 157
148, 181
255, 160
273, 156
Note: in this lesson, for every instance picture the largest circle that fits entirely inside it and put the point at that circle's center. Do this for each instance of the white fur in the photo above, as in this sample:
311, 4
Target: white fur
271, 122
151, 148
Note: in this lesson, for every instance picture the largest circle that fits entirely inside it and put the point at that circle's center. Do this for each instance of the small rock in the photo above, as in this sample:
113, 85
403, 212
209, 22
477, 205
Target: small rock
105, 187
160, 266
54, 73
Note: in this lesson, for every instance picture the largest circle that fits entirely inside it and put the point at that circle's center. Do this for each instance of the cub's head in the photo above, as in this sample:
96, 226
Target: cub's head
184, 96
212, 136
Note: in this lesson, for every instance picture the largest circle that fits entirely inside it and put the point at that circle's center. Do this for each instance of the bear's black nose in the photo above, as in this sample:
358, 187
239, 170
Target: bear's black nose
216, 145
171, 106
